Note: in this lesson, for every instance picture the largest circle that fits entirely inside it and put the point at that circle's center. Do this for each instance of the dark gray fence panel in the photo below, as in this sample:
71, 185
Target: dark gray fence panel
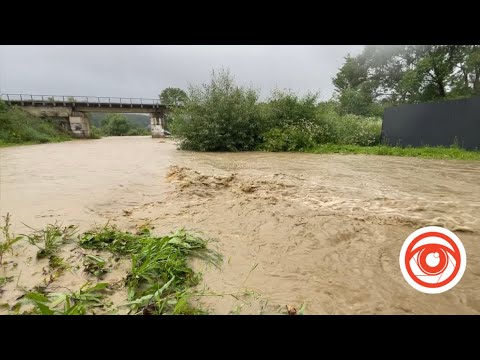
434, 124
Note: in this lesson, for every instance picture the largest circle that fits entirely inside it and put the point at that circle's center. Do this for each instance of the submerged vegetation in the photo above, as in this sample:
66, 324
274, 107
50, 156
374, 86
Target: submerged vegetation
86, 299
52, 237
19, 127
159, 279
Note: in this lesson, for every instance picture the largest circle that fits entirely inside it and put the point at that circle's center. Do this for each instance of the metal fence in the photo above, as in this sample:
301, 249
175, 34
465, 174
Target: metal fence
435, 124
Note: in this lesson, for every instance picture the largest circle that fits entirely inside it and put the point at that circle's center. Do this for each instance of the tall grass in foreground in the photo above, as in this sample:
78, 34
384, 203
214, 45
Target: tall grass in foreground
9, 238
52, 237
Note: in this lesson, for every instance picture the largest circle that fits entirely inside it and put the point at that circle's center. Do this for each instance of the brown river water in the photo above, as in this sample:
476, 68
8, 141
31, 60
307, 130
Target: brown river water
323, 231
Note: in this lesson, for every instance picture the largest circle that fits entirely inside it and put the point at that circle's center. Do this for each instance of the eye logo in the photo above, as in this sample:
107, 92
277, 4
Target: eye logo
433, 259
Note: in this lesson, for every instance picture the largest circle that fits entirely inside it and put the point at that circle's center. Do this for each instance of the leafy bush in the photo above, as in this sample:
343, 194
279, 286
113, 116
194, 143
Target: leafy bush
353, 129
95, 132
218, 116
286, 108
296, 137
327, 127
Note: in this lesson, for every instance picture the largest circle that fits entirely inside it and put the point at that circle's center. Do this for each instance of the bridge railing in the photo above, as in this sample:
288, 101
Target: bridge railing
78, 99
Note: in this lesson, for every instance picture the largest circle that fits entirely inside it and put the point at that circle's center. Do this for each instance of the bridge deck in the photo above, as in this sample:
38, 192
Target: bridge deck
84, 103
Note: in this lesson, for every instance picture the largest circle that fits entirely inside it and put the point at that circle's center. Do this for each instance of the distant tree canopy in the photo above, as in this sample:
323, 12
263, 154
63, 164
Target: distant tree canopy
382, 76
173, 96
116, 125
141, 121
119, 124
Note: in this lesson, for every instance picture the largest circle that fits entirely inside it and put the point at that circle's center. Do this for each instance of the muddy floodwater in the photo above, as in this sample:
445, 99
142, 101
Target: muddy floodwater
323, 231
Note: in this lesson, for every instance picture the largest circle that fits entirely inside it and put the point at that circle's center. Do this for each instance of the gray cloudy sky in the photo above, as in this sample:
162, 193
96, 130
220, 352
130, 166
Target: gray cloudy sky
143, 71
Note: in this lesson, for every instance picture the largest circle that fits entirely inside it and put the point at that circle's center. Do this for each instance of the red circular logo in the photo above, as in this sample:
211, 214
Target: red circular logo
432, 259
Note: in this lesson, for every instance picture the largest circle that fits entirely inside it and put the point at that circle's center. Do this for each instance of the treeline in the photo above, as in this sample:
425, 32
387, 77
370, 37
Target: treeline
134, 120
119, 124
383, 76
222, 116
18, 126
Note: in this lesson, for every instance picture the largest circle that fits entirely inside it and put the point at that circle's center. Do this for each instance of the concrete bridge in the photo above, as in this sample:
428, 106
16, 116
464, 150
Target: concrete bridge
71, 111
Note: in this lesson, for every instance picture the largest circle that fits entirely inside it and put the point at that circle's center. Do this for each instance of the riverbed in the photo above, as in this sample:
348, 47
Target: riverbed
319, 231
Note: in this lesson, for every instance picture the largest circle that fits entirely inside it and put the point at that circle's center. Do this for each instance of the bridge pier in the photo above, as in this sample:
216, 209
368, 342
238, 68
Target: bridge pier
79, 124
156, 125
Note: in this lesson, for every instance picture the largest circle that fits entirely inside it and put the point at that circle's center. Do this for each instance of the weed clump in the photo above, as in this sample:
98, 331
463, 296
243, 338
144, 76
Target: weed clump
75, 303
52, 237
9, 239
94, 265
159, 279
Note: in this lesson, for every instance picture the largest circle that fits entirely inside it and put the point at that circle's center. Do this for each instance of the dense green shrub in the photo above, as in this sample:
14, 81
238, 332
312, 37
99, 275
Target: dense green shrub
286, 108
328, 127
95, 132
352, 129
295, 137
289, 138
218, 116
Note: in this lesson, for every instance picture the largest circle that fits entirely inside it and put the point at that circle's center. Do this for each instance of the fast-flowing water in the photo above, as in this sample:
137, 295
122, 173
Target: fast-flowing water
319, 230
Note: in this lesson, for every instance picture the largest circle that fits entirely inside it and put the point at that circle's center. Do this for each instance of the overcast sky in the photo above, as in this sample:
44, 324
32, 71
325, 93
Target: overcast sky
143, 71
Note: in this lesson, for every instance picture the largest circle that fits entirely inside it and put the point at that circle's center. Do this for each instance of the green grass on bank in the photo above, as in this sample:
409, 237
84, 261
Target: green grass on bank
19, 127
425, 152
4, 144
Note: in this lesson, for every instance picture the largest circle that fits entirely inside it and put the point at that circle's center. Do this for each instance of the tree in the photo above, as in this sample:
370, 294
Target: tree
356, 86
406, 74
173, 96
115, 125
466, 79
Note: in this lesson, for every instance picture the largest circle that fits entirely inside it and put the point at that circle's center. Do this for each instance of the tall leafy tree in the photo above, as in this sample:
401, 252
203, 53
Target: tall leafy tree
173, 96
116, 125
406, 74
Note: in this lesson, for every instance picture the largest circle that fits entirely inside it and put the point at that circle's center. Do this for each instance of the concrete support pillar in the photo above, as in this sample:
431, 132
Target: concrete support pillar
79, 124
63, 122
156, 125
